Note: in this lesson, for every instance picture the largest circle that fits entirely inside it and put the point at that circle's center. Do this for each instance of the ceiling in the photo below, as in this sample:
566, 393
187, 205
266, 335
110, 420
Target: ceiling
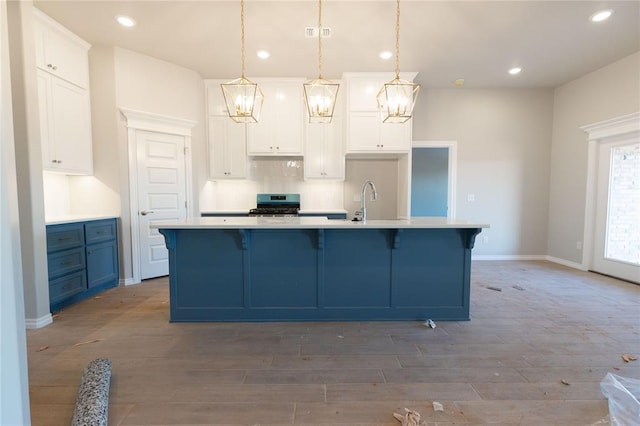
553, 41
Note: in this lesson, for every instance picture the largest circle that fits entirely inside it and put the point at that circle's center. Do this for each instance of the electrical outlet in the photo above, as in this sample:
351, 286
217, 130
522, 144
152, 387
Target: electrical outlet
485, 239
471, 198
356, 198
578, 245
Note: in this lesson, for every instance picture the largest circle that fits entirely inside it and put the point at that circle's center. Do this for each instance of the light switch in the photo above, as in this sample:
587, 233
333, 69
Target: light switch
471, 198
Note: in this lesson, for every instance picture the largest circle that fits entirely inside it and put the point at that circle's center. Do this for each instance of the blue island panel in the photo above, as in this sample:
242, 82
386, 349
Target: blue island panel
284, 268
213, 267
429, 265
357, 265
319, 274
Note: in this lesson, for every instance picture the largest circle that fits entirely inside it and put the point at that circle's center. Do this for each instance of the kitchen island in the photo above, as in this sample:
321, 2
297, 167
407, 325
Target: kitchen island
315, 269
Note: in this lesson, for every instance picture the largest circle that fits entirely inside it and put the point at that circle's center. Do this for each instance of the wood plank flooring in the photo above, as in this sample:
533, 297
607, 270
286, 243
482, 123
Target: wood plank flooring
549, 323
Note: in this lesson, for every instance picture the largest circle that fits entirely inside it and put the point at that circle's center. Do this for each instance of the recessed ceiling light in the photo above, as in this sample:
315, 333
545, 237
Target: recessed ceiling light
126, 21
515, 70
600, 16
386, 55
263, 54
458, 82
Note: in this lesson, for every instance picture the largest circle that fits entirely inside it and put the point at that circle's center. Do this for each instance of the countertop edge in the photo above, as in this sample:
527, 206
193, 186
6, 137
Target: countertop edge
72, 219
314, 223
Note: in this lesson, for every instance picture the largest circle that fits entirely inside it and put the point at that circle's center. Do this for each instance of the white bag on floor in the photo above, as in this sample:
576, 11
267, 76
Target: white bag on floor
624, 399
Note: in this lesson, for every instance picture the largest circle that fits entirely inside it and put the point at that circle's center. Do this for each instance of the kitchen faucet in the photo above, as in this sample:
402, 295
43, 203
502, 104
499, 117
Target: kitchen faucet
362, 213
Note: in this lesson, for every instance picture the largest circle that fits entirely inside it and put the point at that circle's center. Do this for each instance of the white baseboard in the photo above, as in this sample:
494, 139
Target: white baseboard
508, 257
128, 281
31, 323
568, 263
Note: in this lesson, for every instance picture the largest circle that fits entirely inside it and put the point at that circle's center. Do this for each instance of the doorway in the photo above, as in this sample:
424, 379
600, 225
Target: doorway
616, 249
159, 185
433, 171
612, 225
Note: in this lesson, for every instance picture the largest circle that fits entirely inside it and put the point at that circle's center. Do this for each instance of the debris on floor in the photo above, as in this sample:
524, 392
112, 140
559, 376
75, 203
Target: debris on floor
429, 323
565, 382
437, 406
410, 418
628, 357
87, 342
494, 288
43, 348
517, 287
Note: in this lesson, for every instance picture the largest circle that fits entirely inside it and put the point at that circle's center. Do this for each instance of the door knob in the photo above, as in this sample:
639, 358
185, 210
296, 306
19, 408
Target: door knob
146, 212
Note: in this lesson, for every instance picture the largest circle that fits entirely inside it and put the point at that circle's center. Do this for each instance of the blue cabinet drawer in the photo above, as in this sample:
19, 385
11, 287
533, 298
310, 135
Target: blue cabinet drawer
61, 237
64, 262
67, 286
100, 230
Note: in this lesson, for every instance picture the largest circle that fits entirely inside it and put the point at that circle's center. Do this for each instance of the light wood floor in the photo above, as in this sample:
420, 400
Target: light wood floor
505, 366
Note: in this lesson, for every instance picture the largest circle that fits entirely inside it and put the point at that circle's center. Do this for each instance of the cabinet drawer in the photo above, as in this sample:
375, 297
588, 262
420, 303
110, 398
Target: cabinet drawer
100, 230
67, 286
66, 261
60, 237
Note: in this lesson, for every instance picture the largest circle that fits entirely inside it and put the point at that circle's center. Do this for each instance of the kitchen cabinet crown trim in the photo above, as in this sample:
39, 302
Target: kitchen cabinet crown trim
141, 120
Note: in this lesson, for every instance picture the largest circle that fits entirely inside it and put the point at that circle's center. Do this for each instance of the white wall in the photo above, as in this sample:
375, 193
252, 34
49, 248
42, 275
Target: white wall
150, 85
384, 174
26, 127
14, 387
504, 147
603, 94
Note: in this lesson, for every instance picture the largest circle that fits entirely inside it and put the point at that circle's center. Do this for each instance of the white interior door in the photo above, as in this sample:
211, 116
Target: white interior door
161, 195
616, 240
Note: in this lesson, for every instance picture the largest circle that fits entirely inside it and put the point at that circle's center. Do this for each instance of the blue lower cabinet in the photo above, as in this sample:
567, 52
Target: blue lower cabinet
102, 263
83, 260
63, 288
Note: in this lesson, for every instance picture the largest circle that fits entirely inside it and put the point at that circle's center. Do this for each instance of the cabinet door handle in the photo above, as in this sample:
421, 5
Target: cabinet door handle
146, 212
53, 67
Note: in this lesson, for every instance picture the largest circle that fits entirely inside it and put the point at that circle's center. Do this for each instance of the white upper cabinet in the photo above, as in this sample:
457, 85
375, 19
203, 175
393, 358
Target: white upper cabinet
215, 98
227, 148
279, 130
60, 52
324, 146
65, 126
227, 140
366, 133
63, 98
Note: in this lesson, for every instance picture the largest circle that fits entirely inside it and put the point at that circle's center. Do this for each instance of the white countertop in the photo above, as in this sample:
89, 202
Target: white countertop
302, 211
57, 220
313, 223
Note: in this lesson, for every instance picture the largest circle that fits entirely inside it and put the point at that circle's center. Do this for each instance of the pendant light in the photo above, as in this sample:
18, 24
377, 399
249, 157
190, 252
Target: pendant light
397, 97
320, 94
242, 96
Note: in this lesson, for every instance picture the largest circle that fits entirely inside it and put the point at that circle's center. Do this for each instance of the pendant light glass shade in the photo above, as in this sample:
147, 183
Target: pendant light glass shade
397, 97
244, 100
396, 100
319, 94
242, 96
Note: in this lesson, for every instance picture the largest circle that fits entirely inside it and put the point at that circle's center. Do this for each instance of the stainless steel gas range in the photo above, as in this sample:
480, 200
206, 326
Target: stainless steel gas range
272, 205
